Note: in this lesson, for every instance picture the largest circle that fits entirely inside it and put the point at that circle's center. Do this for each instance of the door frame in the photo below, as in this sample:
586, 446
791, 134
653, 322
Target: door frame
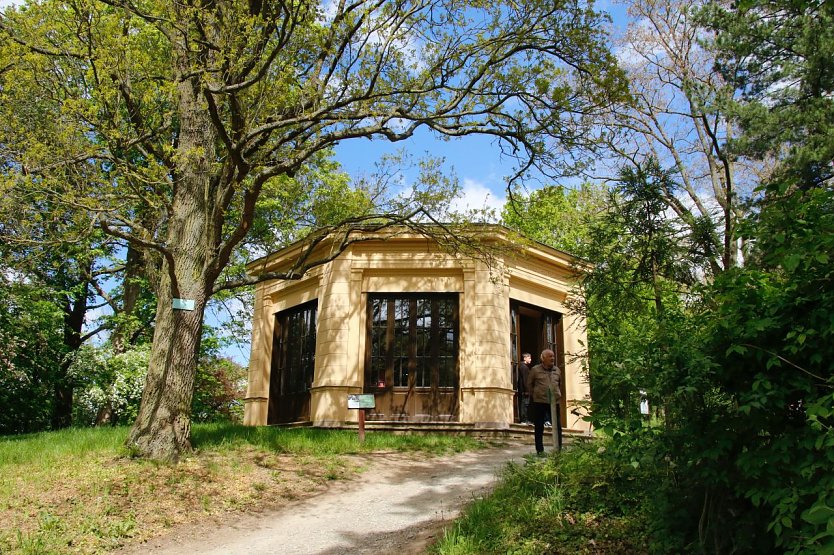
548, 333
293, 406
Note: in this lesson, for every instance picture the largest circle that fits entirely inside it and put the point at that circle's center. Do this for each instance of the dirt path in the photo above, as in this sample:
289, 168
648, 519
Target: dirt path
399, 505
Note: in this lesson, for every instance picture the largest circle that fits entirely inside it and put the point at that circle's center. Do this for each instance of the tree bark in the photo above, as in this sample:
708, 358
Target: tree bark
134, 269
162, 429
62, 406
75, 309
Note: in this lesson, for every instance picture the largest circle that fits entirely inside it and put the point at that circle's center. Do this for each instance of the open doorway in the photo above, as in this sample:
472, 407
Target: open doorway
533, 329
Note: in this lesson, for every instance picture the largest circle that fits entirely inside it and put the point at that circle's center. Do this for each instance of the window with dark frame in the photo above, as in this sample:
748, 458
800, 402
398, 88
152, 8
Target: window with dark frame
295, 348
413, 337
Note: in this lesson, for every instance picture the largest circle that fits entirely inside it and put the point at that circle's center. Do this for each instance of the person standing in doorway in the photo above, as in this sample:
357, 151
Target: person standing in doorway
543, 384
523, 392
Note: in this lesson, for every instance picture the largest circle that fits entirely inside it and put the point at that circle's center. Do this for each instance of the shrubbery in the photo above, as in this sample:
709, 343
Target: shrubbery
742, 388
110, 387
583, 500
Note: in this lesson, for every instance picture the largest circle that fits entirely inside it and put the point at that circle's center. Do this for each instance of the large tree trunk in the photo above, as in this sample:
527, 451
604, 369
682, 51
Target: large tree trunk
163, 426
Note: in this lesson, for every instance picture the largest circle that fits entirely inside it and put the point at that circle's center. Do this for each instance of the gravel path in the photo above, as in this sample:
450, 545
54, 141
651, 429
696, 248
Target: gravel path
399, 505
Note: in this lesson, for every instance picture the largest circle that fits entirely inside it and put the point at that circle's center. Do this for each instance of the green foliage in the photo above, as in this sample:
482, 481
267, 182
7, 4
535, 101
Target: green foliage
556, 216
771, 328
774, 341
780, 55
111, 385
318, 195
740, 380
317, 441
737, 448
638, 234
31, 353
218, 391
736, 453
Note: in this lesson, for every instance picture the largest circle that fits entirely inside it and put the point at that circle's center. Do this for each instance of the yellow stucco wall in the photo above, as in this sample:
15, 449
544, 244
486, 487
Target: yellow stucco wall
538, 276
270, 298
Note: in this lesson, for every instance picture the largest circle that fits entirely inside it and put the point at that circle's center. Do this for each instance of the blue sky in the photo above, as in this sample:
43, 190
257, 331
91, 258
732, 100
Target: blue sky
476, 160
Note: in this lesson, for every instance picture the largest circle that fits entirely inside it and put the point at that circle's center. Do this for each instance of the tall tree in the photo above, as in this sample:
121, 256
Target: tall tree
45, 250
779, 55
654, 246
772, 329
557, 216
194, 107
31, 350
678, 114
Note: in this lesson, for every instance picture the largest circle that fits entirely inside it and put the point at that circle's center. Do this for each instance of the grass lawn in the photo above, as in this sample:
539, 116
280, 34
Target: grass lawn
78, 491
573, 502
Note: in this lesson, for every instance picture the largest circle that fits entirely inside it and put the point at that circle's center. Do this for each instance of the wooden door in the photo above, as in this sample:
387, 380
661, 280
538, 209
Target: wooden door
292, 365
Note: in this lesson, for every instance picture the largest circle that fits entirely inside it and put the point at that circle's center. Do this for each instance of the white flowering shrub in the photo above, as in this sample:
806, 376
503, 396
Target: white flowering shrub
110, 385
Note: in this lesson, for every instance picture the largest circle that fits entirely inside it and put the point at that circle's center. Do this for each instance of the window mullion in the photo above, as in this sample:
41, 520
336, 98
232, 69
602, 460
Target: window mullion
434, 341
389, 341
412, 342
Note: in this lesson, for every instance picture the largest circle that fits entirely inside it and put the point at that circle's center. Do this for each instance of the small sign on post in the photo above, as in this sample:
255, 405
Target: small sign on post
361, 402
554, 418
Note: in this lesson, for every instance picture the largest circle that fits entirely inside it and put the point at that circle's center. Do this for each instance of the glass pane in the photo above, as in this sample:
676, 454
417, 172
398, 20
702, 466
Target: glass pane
420, 338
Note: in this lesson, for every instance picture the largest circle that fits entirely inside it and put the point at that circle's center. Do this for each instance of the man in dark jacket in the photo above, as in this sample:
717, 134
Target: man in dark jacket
543, 385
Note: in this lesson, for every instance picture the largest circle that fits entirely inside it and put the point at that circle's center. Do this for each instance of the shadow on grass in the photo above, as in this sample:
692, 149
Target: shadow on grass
323, 441
282, 440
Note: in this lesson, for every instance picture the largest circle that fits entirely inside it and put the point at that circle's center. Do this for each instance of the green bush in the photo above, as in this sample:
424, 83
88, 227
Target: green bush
741, 385
31, 352
111, 385
219, 390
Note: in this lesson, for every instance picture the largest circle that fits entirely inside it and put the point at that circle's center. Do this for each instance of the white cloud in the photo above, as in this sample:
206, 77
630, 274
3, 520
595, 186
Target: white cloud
477, 196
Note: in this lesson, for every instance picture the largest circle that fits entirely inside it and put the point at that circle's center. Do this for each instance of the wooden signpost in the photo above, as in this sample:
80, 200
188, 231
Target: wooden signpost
361, 402
554, 418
